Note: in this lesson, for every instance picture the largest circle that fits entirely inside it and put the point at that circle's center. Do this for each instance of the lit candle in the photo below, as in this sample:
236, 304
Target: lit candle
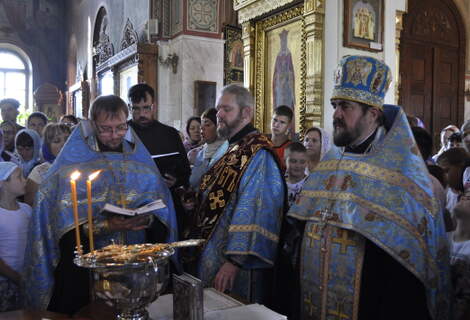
91, 177
73, 186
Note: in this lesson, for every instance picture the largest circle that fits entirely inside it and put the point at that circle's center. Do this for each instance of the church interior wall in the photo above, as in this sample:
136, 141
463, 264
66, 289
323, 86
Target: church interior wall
334, 49
201, 59
195, 39
81, 20
35, 26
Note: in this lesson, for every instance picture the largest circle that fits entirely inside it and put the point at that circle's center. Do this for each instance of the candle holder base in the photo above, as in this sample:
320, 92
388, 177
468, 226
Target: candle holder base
140, 314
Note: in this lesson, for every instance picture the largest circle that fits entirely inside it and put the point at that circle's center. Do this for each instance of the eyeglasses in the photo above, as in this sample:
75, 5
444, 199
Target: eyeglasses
107, 131
68, 124
140, 109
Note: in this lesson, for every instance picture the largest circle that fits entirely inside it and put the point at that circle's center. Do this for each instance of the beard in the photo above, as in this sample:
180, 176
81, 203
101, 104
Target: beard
228, 127
343, 136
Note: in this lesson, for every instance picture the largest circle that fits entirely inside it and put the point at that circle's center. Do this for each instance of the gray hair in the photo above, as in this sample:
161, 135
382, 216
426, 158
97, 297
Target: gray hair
111, 105
243, 97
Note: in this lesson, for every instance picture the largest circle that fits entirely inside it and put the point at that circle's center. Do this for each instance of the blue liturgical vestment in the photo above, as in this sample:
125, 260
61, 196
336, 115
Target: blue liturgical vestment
383, 196
129, 178
247, 232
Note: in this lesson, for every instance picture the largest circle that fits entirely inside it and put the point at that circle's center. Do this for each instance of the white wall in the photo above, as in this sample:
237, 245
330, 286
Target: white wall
334, 48
199, 59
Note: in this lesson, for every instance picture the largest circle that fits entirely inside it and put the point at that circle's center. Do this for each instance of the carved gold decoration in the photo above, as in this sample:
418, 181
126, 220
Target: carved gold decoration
248, 38
249, 9
312, 14
314, 6
260, 62
399, 29
312, 107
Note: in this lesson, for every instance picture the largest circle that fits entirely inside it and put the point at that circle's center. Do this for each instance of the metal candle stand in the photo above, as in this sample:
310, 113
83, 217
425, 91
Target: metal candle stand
129, 287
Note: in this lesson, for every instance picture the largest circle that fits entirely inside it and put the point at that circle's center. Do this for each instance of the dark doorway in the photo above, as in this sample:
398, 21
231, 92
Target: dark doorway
432, 64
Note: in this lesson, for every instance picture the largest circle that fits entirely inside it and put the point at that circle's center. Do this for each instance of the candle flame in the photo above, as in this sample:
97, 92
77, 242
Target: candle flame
75, 175
94, 175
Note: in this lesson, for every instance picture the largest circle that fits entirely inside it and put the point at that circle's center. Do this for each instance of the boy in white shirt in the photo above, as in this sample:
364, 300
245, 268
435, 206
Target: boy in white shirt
296, 160
14, 221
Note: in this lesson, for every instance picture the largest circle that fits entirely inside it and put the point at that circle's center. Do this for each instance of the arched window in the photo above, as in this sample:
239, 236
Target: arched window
14, 77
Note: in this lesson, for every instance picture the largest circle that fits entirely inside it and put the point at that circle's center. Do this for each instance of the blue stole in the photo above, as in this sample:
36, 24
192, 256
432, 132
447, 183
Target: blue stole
129, 179
384, 196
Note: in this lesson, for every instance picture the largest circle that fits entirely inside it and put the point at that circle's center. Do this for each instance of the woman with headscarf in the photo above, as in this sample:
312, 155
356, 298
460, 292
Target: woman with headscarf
27, 150
55, 135
193, 131
445, 134
205, 156
317, 142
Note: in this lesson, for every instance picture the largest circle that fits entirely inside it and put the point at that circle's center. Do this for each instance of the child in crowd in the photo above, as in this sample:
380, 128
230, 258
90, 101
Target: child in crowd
280, 125
37, 121
9, 133
55, 136
455, 163
14, 221
69, 120
460, 259
27, 150
455, 141
296, 162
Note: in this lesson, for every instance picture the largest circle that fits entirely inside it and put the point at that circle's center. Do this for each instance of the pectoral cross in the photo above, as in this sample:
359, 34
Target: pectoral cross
325, 215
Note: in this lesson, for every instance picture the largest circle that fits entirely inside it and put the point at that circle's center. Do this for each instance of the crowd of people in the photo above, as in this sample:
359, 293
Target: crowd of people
362, 223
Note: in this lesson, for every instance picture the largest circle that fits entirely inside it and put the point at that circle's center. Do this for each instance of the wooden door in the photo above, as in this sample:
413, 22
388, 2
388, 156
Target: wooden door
432, 64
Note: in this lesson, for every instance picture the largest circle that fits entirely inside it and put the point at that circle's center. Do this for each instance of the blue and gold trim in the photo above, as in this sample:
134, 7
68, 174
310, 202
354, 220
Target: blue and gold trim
384, 196
362, 79
129, 177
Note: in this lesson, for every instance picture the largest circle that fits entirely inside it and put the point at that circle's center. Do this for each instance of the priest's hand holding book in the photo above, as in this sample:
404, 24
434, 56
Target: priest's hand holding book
120, 219
120, 223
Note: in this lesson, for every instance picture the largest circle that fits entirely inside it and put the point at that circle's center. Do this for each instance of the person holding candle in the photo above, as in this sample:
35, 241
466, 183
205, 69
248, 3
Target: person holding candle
128, 178
14, 220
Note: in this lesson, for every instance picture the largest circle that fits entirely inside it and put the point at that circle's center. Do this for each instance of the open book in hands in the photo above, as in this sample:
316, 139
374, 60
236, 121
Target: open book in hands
154, 205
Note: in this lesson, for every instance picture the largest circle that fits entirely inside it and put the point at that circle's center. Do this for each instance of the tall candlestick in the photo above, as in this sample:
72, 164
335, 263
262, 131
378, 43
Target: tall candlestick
73, 187
91, 177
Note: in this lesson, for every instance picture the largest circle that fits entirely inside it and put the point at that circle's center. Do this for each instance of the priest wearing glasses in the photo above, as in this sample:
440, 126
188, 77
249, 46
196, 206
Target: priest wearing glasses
128, 178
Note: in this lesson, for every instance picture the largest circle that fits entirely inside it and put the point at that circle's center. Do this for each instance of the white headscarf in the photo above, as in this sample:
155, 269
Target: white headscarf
6, 169
325, 141
27, 166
